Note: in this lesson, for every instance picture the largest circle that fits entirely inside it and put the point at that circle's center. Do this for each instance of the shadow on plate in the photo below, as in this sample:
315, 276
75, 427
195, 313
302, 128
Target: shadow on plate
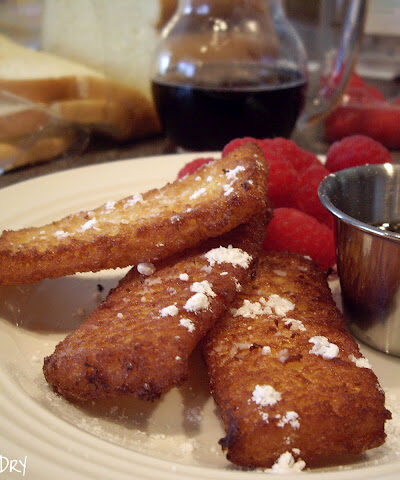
132, 413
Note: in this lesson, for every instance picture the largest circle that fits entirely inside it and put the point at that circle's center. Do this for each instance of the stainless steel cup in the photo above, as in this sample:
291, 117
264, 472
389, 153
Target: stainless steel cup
368, 258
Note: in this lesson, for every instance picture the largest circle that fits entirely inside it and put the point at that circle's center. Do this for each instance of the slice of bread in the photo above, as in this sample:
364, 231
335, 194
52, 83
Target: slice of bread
114, 118
71, 91
141, 228
38, 150
43, 77
276, 390
146, 322
117, 38
20, 120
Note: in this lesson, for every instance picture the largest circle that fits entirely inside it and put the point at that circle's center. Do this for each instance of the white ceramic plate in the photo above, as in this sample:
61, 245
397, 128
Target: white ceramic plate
175, 437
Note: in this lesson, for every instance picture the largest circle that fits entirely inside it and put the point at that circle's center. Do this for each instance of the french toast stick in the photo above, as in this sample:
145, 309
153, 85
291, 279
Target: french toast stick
288, 378
141, 228
139, 339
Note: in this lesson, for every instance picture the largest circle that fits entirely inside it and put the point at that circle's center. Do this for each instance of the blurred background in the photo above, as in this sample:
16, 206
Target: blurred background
101, 121
378, 63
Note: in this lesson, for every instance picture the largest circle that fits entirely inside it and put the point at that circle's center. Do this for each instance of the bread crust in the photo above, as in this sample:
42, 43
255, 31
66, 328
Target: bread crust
162, 222
21, 122
127, 346
36, 150
120, 120
338, 405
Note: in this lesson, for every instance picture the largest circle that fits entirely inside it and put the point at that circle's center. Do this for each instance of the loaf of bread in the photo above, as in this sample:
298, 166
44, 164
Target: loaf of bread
72, 91
94, 74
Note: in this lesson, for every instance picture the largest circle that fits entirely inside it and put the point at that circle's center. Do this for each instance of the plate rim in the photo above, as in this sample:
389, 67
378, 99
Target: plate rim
148, 463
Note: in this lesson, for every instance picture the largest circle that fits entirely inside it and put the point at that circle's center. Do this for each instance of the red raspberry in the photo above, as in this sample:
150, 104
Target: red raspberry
342, 122
281, 182
194, 165
355, 80
298, 232
285, 159
349, 117
277, 149
237, 142
355, 150
283, 149
383, 125
306, 194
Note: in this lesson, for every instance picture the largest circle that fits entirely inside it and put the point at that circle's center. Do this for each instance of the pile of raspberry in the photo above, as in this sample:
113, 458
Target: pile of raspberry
365, 110
300, 223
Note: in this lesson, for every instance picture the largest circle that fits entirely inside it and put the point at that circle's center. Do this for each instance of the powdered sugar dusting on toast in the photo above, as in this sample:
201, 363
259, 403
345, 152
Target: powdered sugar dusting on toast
197, 302
235, 256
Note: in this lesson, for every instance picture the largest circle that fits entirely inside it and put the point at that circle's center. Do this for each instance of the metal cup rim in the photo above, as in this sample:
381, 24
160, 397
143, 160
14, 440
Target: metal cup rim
339, 214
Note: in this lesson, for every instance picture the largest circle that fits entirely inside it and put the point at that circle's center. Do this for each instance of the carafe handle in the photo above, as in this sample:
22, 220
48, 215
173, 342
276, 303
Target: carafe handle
338, 73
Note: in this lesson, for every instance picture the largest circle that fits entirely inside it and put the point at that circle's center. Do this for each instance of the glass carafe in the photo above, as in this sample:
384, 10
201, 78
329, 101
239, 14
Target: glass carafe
235, 68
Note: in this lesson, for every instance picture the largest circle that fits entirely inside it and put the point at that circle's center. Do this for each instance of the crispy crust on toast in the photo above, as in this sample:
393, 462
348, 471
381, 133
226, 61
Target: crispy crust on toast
335, 407
130, 345
141, 228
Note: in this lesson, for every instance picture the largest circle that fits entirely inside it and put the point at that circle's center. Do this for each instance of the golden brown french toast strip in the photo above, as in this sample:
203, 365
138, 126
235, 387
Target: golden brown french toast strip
141, 228
139, 340
283, 371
